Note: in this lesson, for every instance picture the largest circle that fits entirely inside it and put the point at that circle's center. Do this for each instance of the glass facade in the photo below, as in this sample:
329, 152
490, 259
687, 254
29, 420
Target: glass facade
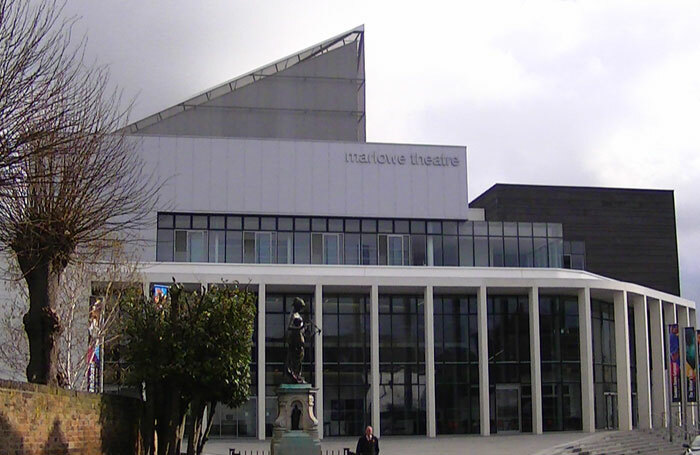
402, 365
604, 364
346, 365
509, 364
358, 241
560, 363
456, 364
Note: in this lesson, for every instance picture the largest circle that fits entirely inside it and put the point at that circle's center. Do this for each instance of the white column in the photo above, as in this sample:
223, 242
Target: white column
670, 317
483, 363
535, 365
318, 354
683, 322
659, 394
374, 356
429, 361
261, 361
586, 351
622, 351
641, 340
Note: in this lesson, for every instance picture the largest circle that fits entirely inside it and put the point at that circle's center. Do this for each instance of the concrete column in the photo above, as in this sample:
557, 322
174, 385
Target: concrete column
374, 356
641, 341
659, 394
429, 361
670, 317
586, 351
535, 365
622, 352
683, 322
261, 361
484, 402
318, 354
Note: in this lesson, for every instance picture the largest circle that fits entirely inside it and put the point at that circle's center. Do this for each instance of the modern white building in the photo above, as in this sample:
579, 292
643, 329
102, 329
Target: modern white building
435, 318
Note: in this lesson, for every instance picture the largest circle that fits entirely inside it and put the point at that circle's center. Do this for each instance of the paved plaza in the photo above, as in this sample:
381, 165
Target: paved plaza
520, 444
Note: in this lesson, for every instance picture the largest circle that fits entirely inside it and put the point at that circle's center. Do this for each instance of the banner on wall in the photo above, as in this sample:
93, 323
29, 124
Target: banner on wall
691, 376
674, 366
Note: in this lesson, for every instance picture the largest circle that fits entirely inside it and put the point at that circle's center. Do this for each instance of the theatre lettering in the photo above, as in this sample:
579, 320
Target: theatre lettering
400, 159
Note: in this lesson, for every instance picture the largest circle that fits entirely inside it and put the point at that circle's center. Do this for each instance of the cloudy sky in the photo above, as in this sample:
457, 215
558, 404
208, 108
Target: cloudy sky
595, 93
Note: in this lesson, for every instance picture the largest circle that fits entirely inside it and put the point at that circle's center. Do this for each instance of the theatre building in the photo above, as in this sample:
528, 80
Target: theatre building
531, 309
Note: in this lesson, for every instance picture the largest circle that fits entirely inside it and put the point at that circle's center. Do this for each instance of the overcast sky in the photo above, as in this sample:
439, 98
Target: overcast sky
563, 92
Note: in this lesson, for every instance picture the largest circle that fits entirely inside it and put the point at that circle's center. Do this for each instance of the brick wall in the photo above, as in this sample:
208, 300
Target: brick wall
40, 420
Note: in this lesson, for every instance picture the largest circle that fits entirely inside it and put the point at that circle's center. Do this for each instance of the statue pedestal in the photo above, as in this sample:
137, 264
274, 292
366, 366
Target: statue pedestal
295, 431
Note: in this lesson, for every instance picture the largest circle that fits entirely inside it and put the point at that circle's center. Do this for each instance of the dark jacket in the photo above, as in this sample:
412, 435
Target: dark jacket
365, 447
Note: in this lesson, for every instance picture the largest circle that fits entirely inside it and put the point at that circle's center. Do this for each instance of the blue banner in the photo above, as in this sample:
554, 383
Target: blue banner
674, 365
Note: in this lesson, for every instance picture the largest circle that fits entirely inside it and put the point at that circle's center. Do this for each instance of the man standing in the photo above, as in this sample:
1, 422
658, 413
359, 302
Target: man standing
367, 444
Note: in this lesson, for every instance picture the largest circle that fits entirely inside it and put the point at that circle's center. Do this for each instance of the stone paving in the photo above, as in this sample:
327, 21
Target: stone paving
520, 444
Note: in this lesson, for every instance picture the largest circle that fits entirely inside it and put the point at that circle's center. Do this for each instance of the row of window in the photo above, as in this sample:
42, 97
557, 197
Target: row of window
441, 246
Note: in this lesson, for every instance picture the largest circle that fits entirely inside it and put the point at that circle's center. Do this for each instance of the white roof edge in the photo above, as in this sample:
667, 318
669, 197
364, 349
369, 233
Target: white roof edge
133, 127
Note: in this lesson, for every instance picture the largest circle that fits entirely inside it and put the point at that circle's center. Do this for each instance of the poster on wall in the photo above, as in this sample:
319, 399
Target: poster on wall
691, 377
674, 366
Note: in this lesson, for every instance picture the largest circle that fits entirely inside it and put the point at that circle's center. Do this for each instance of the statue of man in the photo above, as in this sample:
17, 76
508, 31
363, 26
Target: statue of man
295, 341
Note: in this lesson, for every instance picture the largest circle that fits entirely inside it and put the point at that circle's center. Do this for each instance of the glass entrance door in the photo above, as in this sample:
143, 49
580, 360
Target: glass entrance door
508, 408
611, 411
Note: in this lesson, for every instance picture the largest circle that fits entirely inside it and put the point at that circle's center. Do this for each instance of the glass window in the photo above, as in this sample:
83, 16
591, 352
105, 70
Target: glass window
302, 247
450, 250
510, 229
417, 227
164, 249
318, 224
234, 247
335, 225
197, 243
539, 229
466, 228
251, 223
481, 228
383, 249
182, 221
466, 251
418, 250
540, 245
525, 229
199, 222
331, 249
434, 227
285, 248
352, 225
385, 226
481, 251
368, 249
165, 221
495, 228
511, 251
555, 252
352, 249
395, 253
217, 222
434, 250
578, 247
285, 224
234, 222
496, 251
316, 248
369, 225
267, 223
249, 247
302, 224
401, 226
449, 227
216, 246
554, 230
264, 248
527, 258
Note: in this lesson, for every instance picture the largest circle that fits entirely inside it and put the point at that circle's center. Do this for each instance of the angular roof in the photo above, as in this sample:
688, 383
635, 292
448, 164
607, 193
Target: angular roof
355, 35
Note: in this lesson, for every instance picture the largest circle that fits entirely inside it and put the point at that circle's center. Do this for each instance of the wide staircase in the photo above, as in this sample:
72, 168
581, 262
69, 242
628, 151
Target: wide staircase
640, 442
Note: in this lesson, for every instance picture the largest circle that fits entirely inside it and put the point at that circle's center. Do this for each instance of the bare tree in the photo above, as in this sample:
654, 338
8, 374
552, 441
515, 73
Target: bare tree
70, 177
86, 303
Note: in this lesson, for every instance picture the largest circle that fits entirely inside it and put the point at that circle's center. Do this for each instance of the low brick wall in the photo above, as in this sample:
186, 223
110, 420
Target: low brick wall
41, 420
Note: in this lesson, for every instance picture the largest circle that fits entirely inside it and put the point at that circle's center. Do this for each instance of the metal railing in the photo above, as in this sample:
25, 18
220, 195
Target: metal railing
233, 451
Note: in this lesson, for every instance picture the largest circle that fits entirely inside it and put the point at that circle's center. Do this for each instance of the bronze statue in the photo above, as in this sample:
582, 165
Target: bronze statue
295, 341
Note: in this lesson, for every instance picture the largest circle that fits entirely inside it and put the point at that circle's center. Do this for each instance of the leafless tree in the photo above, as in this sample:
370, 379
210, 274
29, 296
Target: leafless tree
69, 177
86, 303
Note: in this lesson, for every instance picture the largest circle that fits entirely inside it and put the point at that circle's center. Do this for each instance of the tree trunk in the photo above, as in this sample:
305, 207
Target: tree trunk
194, 428
41, 322
205, 435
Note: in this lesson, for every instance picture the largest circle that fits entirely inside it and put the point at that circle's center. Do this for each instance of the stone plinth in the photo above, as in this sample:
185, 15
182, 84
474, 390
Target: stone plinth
295, 431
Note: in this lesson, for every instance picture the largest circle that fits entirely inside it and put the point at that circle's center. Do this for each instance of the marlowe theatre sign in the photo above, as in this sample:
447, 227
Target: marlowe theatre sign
399, 159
